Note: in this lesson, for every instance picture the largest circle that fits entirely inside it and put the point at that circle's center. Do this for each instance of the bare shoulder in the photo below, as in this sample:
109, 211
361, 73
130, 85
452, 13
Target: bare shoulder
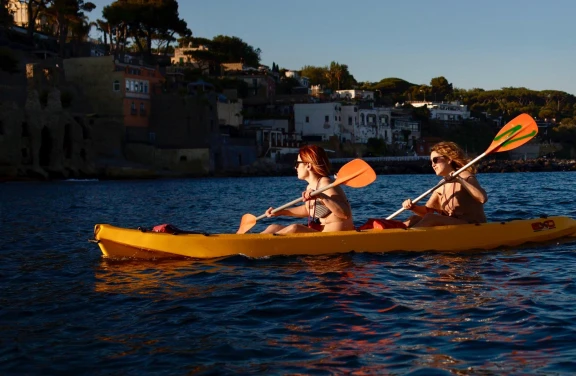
467, 175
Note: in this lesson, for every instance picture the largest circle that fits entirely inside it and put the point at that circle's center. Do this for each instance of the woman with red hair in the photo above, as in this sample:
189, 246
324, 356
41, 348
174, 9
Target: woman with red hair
327, 211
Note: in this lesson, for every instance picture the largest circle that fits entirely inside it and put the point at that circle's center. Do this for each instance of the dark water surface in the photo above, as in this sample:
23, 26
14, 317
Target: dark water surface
66, 310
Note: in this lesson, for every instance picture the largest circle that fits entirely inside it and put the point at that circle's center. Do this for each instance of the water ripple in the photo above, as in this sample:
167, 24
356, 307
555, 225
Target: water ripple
66, 310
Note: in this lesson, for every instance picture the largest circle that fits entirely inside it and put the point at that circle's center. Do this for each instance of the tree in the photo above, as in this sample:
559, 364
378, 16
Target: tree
316, 75
67, 14
234, 49
144, 22
221, 49
5, 14
104, 27
440, 89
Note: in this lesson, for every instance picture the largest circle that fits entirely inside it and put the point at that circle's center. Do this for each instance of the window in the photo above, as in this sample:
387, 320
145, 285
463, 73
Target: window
116, 85
131, 85
349, 120
307, 119
133, 108
335, 118
142, 109
181, 60
127, 85
141, 86
326, 118
145, 87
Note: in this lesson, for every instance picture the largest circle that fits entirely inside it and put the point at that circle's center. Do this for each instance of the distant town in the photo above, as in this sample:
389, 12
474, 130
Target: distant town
74, 107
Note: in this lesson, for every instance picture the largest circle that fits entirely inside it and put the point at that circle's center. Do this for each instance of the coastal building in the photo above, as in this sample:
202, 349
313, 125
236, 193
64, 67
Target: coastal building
405, 132
118, 87
318, 121
304, 81
350, 122
182, 57
365, 95
229, 111
19, 10
448, 113
373, 123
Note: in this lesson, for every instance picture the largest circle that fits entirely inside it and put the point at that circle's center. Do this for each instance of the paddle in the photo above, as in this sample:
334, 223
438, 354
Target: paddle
355, 174
516, 133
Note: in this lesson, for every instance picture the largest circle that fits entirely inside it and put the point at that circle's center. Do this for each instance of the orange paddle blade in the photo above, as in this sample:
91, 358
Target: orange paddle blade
246, 223
516, 133
355, 174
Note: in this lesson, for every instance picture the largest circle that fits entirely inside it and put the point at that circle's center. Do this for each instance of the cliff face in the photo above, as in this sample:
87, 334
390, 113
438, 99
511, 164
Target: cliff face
39, 141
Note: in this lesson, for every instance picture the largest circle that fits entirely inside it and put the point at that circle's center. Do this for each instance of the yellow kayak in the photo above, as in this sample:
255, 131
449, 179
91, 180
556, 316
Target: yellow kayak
121, 243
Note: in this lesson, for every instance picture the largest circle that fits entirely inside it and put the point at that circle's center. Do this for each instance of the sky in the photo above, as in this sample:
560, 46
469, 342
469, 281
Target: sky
474, 44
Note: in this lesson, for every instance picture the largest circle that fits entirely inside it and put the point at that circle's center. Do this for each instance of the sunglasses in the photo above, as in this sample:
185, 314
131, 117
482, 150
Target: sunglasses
296, 163
436, 159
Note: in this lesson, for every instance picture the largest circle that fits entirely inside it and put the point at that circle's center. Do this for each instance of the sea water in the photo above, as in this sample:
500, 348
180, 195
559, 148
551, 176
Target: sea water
64, 309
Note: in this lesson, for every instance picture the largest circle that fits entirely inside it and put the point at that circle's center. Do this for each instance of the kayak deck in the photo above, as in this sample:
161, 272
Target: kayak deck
121, 243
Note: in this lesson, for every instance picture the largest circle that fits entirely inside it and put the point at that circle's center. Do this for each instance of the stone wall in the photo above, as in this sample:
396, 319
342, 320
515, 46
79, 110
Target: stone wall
43, 141
186, 161
98, 74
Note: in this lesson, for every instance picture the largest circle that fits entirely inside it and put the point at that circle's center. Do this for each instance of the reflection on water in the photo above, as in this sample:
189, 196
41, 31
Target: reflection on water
64, 308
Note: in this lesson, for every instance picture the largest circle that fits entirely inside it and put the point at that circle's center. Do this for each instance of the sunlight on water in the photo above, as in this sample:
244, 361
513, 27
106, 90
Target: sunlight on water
66, 310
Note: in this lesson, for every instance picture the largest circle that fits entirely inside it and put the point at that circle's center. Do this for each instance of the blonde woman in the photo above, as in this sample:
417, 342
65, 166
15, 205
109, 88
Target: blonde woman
327, 211
459, 201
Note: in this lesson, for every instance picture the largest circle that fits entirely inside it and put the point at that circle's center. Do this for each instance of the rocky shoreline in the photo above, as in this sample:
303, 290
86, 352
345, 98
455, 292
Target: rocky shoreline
265, 168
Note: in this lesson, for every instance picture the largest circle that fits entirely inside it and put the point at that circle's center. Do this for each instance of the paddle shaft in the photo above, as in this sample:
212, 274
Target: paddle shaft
442, 182
292, 203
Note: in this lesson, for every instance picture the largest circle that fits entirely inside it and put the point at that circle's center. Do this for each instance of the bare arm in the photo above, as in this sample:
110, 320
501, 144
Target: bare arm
298, 211
472, 186
431, 206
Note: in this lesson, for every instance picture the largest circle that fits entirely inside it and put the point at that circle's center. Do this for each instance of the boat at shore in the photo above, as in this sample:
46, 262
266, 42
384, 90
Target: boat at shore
123, 243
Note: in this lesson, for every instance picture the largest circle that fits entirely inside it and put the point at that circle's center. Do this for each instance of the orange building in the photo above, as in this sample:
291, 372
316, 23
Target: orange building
139, 84
118, 88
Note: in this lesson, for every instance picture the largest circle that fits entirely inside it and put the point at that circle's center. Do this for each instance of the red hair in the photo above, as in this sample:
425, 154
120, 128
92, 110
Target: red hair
317, 157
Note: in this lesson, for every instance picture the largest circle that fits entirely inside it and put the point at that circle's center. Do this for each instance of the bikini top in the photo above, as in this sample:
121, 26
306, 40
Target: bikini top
321, 210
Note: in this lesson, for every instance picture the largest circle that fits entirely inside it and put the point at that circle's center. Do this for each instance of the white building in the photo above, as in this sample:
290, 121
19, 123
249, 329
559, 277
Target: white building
453, 111
323, 120
405, 131
354, 94
373, 123
449, 112
229, 112
304, 81
350, 121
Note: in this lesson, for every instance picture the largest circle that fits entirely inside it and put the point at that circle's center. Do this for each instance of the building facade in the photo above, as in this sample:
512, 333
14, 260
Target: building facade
118, 88
318, 121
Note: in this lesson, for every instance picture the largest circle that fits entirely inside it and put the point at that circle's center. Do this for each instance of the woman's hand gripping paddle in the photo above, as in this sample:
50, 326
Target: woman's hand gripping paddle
355, 174
516, 133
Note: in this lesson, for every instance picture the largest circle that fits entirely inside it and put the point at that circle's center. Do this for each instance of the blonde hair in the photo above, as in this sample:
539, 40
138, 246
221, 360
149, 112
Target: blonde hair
452, 151
318, 159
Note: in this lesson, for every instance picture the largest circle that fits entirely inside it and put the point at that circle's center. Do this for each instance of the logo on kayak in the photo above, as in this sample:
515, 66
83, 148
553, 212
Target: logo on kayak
541, 226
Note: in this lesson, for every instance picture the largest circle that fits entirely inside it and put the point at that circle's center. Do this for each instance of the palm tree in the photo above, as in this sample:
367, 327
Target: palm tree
104, 27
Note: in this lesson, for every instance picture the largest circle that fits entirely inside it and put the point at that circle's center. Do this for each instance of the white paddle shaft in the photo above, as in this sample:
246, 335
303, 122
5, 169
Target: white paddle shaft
441, 183
291, 203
